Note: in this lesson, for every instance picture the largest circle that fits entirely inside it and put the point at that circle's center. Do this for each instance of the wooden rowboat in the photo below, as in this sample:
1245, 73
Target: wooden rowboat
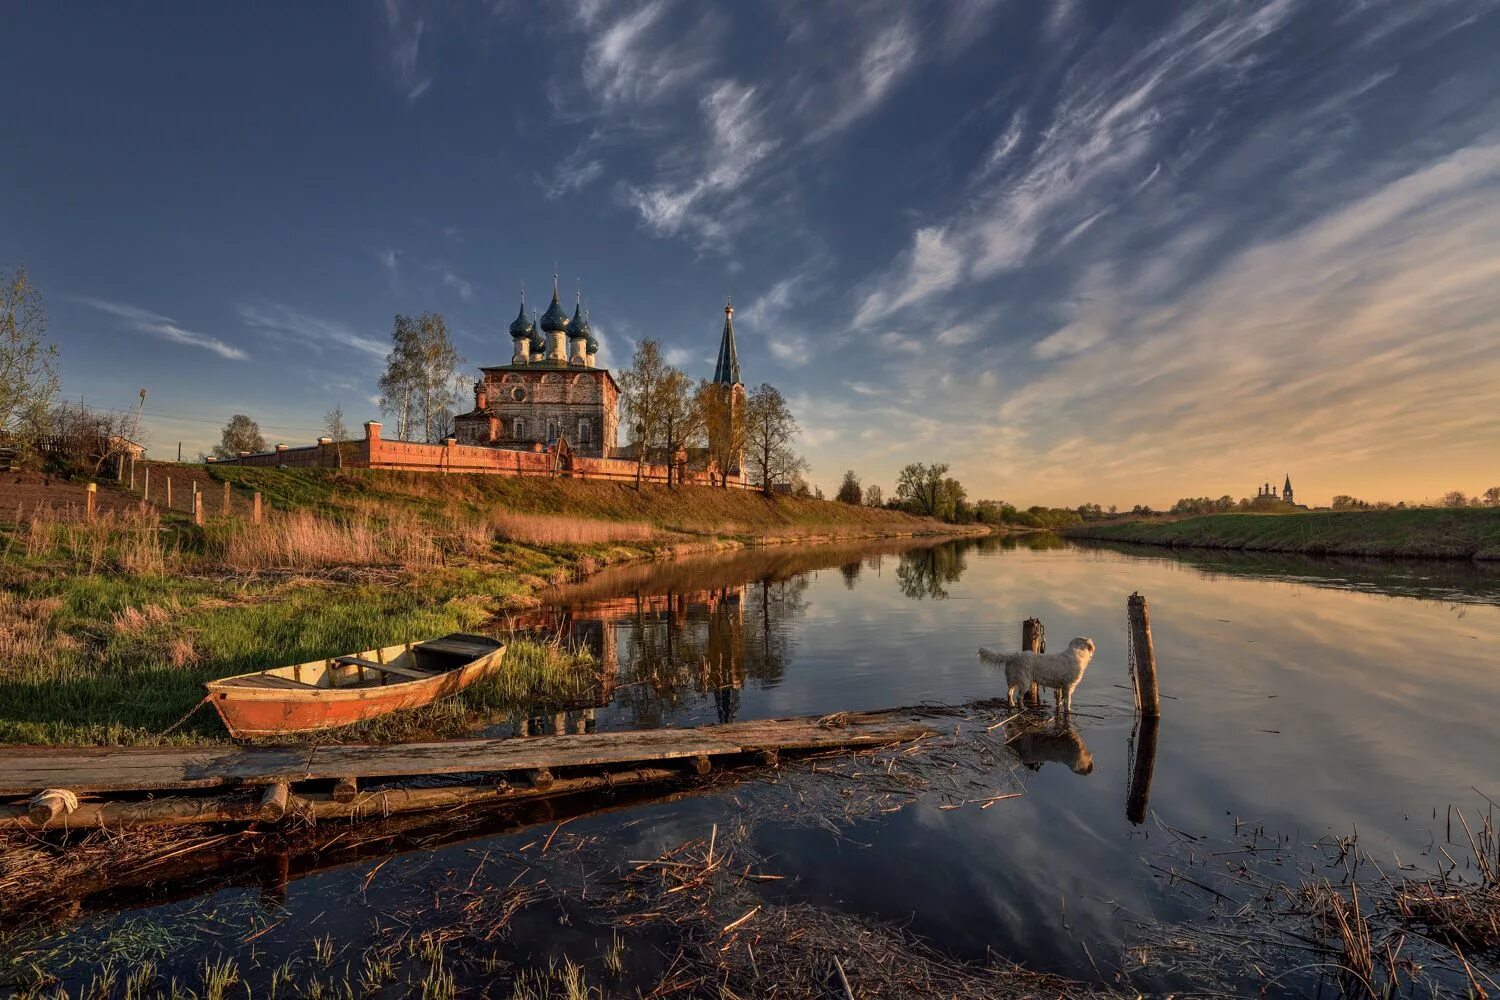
324, 694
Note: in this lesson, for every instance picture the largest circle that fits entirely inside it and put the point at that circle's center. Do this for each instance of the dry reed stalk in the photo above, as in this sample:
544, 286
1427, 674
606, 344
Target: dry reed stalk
302, 540
548, 529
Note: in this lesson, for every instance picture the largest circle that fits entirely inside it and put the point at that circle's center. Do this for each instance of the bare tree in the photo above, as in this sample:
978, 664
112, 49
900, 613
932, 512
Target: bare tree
873, 496
333, 424
769, 431
1492, 497
723, 411
28, 380
398, 385
681, 416
1455, 498
641, 389
421, 382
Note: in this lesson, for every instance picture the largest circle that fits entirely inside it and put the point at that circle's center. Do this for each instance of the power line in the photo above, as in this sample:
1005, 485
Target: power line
207, 420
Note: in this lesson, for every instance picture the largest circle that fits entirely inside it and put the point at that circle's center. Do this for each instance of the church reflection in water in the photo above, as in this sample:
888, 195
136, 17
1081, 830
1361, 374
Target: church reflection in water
685, 654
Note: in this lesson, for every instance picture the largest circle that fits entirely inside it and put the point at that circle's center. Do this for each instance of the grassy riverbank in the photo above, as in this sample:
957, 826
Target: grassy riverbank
108, 629
1462, 533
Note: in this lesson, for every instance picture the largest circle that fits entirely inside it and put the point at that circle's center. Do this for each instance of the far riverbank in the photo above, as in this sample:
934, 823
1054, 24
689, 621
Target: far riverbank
1423, 533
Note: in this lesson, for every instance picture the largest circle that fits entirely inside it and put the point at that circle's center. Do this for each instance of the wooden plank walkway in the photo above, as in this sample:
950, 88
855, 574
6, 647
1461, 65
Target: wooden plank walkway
25, 771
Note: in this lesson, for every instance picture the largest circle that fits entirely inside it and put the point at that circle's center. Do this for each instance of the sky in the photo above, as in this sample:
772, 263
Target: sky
1081, 252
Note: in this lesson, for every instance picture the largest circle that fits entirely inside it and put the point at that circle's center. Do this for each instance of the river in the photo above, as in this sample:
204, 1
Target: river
1302, 698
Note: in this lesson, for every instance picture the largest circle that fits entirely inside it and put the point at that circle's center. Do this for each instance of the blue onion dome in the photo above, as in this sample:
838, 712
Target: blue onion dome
578, 326
588, 331
538, 342
555, 319
521, 326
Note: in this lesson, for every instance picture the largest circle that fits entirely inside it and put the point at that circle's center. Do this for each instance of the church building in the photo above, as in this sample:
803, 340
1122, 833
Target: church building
1266, 494
553, 390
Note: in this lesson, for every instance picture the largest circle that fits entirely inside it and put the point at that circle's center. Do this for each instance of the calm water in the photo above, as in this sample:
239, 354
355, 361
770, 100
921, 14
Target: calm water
1310, 697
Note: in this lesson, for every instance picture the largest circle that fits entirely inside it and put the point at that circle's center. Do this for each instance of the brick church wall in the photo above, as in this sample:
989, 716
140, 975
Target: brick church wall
376, 452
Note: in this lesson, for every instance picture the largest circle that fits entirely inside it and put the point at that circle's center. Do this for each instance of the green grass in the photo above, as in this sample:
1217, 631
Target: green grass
692, 509
108, 630
1458, 533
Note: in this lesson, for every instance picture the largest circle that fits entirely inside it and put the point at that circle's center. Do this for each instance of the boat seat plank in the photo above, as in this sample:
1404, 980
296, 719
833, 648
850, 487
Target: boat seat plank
386, 668
26, 770
458, 648
270, 681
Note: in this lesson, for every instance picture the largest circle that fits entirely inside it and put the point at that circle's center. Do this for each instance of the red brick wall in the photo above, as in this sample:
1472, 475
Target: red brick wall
375, 452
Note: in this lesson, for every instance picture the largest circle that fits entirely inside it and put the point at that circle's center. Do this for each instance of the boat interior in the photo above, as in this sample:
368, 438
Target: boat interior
376, 667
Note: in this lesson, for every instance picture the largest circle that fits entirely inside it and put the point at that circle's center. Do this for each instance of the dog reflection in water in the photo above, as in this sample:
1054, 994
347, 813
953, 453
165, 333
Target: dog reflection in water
1051, 742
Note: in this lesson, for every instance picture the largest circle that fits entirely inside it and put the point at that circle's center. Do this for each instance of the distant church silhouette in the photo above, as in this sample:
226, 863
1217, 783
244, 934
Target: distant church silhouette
1267, 493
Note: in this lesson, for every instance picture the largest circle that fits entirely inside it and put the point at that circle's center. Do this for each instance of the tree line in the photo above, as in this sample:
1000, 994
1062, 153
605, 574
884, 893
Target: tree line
670, 416
927, 490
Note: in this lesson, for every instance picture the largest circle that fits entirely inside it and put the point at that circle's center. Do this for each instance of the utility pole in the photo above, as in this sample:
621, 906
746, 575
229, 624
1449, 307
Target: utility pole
179, 451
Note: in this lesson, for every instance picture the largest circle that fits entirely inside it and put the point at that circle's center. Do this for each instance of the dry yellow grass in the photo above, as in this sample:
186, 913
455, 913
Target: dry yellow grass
302, 540
547, 529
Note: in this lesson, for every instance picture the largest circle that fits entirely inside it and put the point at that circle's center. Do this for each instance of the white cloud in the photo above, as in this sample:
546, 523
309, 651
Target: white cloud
166, 328
958, 334
736, 144
404, 36
285, 323
631, 60
390, 260
465, 289
1105, 127
885, 59
1362, 350
932, 265
791, 351
570, 175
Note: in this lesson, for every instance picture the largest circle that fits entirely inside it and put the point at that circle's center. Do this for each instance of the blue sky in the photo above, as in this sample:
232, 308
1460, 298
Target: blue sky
1082, 251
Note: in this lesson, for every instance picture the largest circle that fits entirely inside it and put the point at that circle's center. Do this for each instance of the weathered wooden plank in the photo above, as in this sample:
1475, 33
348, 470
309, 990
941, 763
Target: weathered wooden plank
24, 771
179, 810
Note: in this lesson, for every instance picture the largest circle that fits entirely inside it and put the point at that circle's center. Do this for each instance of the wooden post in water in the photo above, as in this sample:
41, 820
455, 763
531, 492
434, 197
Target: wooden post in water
1148, 698
90, 496
1034, 639
1140, 774
197, 508
255, 509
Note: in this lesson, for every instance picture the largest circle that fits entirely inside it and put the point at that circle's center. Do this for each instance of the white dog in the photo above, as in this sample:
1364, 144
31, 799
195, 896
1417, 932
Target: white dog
1062, 672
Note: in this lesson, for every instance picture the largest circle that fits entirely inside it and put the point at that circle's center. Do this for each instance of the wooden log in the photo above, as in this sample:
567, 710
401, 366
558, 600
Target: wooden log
47, 805
346, 789
1033, 639
700, 765
273, 802
1148, 698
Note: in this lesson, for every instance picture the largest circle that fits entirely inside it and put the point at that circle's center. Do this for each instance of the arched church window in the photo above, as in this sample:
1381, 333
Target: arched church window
518, 428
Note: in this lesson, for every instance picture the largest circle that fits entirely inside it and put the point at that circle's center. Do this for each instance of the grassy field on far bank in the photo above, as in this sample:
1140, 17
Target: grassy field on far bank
1447, 533
108, 629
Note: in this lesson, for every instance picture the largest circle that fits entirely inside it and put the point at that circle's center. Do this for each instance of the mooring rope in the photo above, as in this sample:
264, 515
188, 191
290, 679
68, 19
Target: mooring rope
190, 712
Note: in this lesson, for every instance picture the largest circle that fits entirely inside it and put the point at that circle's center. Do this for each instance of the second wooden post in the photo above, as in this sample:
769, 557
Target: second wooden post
1143, 651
